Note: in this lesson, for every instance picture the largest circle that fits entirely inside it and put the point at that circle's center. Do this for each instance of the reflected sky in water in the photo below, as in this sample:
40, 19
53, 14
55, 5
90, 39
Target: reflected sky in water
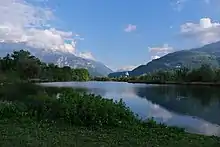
196, 109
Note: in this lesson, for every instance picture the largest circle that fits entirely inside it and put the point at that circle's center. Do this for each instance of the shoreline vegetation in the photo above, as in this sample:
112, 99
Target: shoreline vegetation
34, 115
211, 84
177, 83
203, 76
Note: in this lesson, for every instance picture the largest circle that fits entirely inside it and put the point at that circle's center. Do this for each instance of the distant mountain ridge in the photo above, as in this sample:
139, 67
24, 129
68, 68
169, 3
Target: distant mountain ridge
193, 58
95, 68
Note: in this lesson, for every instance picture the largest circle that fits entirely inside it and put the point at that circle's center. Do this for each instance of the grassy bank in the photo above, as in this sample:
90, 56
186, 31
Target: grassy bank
38, 116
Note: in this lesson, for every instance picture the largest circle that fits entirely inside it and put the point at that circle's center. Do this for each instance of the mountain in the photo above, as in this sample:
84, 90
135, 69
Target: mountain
60, 58
193, 58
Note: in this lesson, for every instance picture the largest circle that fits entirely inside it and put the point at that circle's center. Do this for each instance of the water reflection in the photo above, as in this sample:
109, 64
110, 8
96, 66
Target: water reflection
194, 108
202, 102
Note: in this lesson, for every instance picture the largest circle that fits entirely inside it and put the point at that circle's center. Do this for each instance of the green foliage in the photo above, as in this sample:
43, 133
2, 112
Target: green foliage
204, 74
81, 74
24, 66
93, 110
101, 79
65, 104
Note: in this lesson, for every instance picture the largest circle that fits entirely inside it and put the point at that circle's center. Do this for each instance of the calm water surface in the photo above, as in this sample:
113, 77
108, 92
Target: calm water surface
197, 109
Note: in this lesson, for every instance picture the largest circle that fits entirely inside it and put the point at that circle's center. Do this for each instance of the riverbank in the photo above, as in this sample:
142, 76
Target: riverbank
44, 116
178, 83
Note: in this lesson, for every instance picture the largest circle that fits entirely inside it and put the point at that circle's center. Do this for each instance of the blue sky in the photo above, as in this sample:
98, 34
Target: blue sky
125, 33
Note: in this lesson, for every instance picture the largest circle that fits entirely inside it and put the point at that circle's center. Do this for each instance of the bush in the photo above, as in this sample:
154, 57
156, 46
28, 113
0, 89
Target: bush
71, 106
89, 109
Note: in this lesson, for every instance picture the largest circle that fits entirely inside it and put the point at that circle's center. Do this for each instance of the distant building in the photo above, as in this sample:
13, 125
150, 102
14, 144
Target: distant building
126, 74
178, 66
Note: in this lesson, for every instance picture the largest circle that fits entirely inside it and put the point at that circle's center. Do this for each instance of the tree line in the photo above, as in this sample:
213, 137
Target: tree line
22, 65
205, 73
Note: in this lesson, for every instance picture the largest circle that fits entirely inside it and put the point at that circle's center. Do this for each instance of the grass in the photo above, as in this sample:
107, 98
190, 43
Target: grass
31, 115
27, 132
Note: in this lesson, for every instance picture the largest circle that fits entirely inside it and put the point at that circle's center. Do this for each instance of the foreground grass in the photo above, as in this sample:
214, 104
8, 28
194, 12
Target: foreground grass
35, 116
22, 132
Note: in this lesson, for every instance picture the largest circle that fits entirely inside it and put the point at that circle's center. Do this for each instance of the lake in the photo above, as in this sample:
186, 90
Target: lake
195, 108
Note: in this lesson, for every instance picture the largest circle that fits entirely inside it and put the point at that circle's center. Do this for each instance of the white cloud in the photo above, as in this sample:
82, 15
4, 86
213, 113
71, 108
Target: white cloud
155, 57
164, 49
51, 39
23, 22
205, 31
86, 55
157, 52
22, 14
130, 28
127, 68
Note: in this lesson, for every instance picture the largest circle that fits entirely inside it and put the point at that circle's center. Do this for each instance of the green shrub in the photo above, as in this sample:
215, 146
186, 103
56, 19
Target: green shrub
72, 107
89, 109
10, 109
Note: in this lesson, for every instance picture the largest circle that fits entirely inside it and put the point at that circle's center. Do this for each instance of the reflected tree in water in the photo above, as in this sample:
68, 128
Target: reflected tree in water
202, 102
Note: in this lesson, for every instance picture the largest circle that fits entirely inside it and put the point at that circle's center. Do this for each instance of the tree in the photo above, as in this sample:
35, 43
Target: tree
217, 75
6, 63
81, 74
22, 65
207, 73
180, 74
25, 64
